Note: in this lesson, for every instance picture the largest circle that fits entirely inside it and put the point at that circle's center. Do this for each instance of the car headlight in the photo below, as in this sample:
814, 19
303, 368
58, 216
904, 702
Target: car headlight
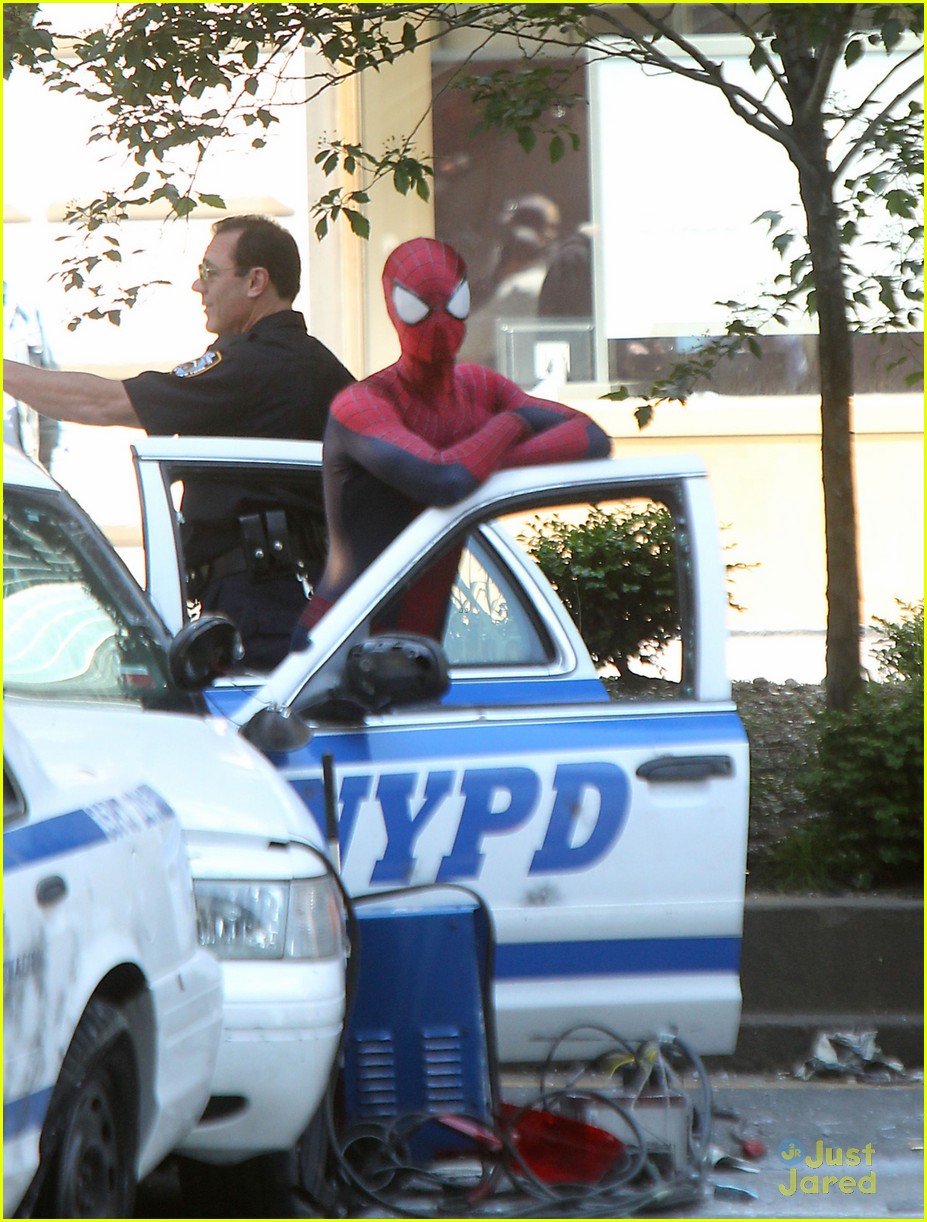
300, 919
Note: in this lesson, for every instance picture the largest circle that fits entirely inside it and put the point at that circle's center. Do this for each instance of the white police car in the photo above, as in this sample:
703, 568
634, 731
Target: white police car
607, 835
94, 681
111, 1012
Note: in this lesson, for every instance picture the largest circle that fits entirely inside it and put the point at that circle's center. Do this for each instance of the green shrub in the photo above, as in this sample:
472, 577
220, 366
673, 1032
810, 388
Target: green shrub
901, 654
867, 778
616, 575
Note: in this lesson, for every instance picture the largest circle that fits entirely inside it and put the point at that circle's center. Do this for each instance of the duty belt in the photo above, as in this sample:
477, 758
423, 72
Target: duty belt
266, 553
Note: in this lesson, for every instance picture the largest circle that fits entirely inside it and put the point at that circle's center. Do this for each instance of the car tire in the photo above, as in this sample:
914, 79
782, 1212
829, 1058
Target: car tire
90, 1137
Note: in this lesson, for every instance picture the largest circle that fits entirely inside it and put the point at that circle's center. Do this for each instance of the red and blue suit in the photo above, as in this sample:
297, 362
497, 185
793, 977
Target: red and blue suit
426, 431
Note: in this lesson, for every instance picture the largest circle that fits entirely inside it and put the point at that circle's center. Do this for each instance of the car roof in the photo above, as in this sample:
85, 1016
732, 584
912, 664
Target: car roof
18, 469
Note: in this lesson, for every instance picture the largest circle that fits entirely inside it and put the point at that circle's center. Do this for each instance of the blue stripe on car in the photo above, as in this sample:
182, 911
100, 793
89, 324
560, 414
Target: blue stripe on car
109, 819
490, 739
69, 833
493, 693
616, 957
26, 1114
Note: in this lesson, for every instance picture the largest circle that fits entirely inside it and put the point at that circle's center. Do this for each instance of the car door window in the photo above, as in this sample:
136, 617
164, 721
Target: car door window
71, 629
489, 621
619, 566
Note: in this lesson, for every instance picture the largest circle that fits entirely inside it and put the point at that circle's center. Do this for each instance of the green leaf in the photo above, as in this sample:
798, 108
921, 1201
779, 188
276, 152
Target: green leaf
900, 203
854, 50
358, 222
401, 179
556, 148
526, 138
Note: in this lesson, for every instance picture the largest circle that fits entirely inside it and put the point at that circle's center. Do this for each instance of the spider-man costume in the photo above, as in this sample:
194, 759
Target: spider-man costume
426, 431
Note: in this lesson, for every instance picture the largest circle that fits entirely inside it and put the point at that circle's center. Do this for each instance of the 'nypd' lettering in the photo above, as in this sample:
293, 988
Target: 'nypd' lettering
559, 852
394, 794
586, 812
496, 800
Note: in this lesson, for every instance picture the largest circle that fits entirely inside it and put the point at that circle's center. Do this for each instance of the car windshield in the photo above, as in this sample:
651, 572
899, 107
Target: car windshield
74, 627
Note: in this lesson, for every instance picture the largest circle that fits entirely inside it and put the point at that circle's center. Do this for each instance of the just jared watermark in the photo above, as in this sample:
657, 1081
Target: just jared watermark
827, 1169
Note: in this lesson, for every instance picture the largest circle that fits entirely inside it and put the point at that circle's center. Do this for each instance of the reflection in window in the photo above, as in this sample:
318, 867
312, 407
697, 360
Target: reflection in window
487, 624
66, 631
520, 219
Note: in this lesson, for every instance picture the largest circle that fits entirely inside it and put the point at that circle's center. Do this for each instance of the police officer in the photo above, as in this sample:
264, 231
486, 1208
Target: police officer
264, 376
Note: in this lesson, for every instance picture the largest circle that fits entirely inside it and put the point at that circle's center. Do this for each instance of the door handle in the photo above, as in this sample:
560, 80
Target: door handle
50, 890
686, 767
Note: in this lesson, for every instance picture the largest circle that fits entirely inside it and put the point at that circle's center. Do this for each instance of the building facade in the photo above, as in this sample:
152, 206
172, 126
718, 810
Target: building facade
590, 272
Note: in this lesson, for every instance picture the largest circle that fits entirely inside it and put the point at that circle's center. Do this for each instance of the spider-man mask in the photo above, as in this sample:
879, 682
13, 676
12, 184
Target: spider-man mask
427, 298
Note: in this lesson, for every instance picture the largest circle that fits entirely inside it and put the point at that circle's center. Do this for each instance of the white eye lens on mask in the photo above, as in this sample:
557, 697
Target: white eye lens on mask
410, 309
459, 304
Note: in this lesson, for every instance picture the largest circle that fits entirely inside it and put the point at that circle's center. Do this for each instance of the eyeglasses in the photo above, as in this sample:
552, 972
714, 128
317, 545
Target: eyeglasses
206, 271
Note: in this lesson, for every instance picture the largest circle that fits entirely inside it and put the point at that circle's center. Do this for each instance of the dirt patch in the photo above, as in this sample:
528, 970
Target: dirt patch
779, 720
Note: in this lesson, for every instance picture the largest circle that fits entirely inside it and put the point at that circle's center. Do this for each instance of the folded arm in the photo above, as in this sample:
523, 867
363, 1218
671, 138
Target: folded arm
558, 433
366, 429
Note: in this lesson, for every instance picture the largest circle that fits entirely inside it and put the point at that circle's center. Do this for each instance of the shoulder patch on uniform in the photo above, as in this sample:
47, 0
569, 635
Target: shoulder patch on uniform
190, 369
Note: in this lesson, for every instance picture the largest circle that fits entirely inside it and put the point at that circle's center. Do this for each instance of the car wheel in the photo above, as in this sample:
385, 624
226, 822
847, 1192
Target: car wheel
317, 1182
90, 1137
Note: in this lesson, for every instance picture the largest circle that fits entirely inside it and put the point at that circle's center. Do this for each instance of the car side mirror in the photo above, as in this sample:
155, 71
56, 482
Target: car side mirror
400, 668
204, 650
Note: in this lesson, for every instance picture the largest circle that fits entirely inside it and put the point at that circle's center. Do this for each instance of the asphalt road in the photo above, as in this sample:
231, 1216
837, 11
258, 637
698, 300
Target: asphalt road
868, 1140
882, 1126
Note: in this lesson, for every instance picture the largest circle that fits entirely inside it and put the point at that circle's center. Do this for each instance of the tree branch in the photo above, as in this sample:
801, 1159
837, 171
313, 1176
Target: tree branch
744, 104
855, 150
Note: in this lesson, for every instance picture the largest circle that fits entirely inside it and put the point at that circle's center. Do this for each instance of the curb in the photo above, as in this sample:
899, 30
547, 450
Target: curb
812, 964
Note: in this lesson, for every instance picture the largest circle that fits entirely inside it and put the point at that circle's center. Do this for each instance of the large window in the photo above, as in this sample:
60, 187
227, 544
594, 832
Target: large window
523, 225
613, 263
680, 190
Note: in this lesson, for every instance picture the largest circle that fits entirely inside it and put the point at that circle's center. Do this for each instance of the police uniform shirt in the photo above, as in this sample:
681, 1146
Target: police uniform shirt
274, 380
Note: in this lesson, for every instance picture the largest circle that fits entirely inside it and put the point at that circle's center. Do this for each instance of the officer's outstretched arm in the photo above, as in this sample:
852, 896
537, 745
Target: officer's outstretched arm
85, 398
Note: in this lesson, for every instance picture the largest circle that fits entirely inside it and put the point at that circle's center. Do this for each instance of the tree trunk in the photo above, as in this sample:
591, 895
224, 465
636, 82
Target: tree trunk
843, 670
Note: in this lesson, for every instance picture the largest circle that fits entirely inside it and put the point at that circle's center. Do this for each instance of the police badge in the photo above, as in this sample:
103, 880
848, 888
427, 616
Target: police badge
190, 369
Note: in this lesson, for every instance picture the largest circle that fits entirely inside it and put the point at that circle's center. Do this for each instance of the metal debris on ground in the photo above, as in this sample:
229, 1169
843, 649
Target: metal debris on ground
851, 1055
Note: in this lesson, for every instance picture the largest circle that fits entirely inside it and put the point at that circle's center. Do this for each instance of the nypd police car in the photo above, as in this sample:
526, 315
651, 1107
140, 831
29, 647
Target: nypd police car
96, 684
603, 819
111, 1012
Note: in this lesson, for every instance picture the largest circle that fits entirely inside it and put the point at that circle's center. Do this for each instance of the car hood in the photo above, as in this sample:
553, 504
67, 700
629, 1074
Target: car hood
218, 784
